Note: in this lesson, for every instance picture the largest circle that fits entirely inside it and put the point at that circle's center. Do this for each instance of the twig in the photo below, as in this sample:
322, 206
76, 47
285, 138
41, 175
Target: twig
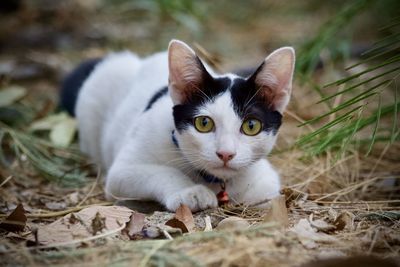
92, 188
357, 202
6, 180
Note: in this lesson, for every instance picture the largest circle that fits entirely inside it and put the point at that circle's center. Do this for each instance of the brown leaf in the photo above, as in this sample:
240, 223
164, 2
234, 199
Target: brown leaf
184, 214
278, 211
80, 225
98, 223
176, 223
16, 221
136, 224
344, 220
183, 219
309, 236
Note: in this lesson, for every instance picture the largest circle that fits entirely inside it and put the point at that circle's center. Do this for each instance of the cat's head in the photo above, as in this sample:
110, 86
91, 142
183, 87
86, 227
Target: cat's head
226, 123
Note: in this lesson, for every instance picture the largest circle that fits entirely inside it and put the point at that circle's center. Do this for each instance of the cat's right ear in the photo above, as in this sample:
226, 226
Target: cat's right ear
186, 72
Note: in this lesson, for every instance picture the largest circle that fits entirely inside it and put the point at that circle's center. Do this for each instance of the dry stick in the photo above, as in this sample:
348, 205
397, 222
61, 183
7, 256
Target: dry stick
62, 212
358, 202
321, 172
349, 189
6, 180
92, 188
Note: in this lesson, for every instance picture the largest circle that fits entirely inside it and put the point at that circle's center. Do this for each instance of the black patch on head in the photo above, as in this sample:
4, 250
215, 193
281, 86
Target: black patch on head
211, 87
160, 93
248, 104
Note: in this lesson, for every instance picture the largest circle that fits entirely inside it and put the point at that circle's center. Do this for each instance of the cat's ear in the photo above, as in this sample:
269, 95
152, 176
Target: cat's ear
186, 72
273, 79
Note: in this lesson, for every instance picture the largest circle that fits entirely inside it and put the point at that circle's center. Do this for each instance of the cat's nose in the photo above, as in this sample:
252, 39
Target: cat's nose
225, 156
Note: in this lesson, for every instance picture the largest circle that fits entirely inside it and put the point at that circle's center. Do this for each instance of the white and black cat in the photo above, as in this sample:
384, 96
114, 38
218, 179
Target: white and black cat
167, 128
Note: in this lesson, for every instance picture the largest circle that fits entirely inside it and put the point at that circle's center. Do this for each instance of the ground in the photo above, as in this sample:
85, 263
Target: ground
331, 206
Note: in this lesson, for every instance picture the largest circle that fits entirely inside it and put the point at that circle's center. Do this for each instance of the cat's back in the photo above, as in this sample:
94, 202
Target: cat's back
115, 93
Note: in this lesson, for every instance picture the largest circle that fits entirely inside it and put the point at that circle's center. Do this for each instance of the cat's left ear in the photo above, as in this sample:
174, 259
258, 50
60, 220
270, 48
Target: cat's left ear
186, 72
273, 79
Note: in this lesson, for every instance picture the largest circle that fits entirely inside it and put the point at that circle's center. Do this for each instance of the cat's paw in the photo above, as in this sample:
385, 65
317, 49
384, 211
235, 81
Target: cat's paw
197, 198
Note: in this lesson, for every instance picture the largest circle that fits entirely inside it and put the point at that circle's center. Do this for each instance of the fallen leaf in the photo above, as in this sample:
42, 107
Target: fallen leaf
16, 221
176, 223
47, 123
309, 236
63, 132
98, 223
136, 224
79, 225
61, 126
183, 219
344, 220
11, 94
184, 214
232, 222
278, 211
208, 225
321, 225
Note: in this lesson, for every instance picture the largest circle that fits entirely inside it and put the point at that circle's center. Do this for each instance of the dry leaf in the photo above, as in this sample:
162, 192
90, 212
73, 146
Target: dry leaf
232, 222
136, 224
208, 225
16, 221
278, 211
184, 214
98, 223
321, 225
344, 220
308, 235
176, 223
183, 219
80, 225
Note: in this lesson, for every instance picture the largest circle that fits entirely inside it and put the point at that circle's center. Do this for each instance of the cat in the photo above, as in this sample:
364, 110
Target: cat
168, 128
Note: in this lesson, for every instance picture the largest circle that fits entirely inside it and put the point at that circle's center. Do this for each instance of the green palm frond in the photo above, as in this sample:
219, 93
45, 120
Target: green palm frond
362, 103
53, 163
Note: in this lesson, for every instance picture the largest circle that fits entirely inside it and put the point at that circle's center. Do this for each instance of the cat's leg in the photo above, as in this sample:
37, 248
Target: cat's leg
164, 184
257, 184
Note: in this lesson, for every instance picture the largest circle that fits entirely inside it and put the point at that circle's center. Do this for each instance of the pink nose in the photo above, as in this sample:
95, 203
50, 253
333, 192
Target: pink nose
225, 156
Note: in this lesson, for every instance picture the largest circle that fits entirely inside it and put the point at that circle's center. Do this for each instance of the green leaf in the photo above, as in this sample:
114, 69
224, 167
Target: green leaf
63, 132
11, 95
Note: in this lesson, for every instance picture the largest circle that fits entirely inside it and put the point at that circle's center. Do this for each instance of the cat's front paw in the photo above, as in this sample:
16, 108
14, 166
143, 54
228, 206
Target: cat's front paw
197, 198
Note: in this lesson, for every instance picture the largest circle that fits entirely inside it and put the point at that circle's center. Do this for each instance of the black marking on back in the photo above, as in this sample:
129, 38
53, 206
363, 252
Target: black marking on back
160, 93
73, 83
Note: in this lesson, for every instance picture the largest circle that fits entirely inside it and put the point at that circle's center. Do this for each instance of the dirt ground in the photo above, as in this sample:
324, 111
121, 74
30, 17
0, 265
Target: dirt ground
331, 206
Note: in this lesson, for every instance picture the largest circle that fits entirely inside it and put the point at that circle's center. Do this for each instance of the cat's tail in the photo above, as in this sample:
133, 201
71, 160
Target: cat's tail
73, 83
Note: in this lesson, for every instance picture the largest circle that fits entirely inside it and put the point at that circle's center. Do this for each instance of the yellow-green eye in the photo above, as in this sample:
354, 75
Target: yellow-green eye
203, 124
251, 127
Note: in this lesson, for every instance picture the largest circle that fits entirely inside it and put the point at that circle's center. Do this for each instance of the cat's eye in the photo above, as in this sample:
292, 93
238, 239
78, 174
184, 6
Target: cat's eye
203, 124
251, 127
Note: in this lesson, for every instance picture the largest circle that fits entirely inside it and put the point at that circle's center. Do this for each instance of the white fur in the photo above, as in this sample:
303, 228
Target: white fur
136, 149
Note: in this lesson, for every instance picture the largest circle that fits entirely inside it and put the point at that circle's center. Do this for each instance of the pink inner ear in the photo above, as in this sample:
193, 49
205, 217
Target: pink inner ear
274, 80
185, 71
